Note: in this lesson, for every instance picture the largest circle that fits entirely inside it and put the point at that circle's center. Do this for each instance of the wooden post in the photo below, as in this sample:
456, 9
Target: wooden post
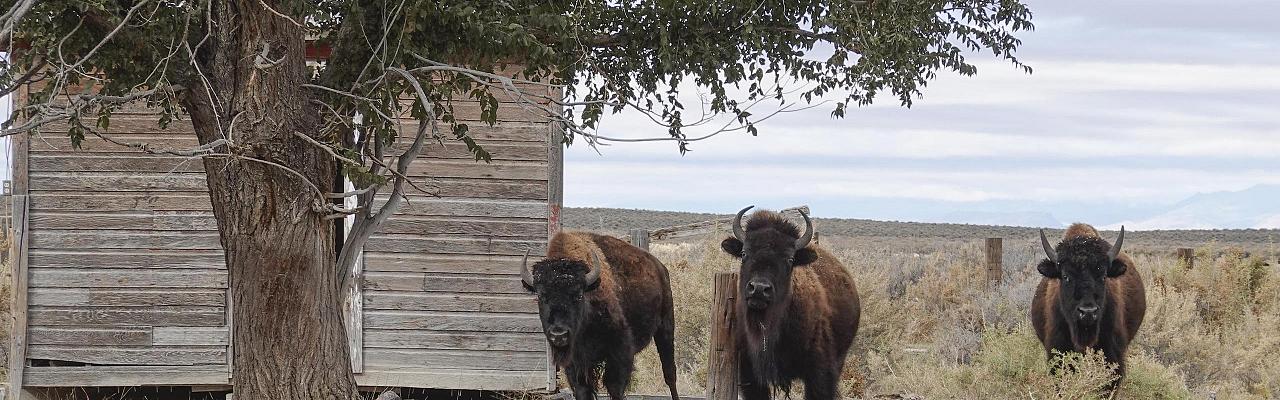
640, 238
555, 201
995, 260
20, 145
722, 363
1187, 257
18, 302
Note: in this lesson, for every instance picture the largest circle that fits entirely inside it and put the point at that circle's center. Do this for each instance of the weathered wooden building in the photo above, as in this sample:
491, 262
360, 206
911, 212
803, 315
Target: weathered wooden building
119, 278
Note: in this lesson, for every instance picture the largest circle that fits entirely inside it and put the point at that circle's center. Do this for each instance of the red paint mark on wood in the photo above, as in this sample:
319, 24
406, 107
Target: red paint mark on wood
553, 220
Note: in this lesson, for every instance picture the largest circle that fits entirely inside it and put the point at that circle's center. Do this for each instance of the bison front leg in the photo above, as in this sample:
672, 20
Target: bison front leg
751, 388
582, 380
1114, 353
821, 384
617, 374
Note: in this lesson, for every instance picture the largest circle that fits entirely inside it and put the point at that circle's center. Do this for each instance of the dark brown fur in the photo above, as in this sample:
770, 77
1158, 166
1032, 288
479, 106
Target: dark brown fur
1121, 316
807, 333
631, 305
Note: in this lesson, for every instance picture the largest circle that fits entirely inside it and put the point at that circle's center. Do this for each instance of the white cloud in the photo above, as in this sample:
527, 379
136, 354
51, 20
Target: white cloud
652, 185
1083, 127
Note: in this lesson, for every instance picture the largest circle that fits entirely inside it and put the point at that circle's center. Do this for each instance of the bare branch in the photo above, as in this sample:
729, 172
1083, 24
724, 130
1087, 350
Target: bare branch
278, 14
124, 21
202, 150
342, 195
10, 20
365, 227
728, 127
353, 96
327, 148
78, 104
263, 60
38, 66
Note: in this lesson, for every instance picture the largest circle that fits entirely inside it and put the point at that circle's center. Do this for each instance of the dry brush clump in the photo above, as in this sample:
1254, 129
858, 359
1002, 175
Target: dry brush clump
934, 327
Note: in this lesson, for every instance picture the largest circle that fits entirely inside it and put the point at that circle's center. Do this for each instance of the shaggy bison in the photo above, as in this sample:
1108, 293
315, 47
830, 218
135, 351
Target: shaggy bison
798, 309
1091, 296
602, 309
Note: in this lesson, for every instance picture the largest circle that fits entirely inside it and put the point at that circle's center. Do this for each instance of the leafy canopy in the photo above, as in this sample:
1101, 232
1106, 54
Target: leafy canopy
607, 55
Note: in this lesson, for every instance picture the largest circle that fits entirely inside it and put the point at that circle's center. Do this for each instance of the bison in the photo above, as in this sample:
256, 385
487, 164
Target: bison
602, 309
798, 309
1091, 297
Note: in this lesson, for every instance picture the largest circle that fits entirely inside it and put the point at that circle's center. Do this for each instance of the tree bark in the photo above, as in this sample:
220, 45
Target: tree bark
288, 340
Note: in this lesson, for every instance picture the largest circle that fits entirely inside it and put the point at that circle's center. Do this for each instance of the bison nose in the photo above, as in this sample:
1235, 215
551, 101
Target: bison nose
557, 331
759, 288
1087, 312
558, 336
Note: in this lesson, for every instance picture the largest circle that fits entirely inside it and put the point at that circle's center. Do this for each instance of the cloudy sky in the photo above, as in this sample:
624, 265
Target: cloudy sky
1134, 107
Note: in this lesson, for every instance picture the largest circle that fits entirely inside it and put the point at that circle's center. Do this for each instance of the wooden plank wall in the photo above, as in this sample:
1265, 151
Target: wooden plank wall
442, 295
125, 267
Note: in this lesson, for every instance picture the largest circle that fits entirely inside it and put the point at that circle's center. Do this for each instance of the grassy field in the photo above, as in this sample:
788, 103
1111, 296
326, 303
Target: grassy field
933, 328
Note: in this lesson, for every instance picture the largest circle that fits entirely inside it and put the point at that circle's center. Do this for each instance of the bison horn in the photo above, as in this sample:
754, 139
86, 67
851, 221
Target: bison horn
1115, 249
524, 269
593, 275
737, 224
1048, 249
803, 241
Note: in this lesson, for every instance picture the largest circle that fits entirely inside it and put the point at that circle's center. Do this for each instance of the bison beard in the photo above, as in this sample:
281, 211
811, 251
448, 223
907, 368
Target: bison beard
760, 332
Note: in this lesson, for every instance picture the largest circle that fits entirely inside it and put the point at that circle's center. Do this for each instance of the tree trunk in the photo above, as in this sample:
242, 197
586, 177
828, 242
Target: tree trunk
288, 340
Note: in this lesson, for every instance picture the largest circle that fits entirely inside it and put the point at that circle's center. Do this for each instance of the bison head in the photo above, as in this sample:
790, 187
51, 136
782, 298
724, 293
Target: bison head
769, 249
560, 285
1081, 266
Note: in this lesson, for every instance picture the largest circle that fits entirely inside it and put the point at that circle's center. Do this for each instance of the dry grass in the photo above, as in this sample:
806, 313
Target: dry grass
933, 327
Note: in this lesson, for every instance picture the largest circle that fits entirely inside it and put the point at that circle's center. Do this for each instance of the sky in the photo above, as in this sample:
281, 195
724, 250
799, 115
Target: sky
1133, 109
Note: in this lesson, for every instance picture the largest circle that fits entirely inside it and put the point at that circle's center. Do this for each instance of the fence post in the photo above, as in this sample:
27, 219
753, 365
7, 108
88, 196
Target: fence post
640, 238
995, 260
1187, 256
722, 365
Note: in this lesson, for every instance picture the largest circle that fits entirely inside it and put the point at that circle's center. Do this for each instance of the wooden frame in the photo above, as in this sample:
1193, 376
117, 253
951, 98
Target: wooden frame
20, 242
353, 318
555, 201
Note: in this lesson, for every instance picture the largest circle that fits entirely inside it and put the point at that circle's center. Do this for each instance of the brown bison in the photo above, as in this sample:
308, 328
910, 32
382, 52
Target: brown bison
1091, 296
602, 309
798, 309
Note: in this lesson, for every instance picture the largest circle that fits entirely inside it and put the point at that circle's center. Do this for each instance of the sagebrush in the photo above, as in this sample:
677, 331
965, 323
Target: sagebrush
934, 328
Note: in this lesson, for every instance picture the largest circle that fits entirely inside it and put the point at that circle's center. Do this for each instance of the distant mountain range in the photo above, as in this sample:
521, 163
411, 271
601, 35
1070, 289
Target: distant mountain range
1257, 207
1013, 218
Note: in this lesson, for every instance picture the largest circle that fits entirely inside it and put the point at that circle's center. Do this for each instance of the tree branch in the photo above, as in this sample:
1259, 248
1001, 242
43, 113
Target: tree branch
365, 224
